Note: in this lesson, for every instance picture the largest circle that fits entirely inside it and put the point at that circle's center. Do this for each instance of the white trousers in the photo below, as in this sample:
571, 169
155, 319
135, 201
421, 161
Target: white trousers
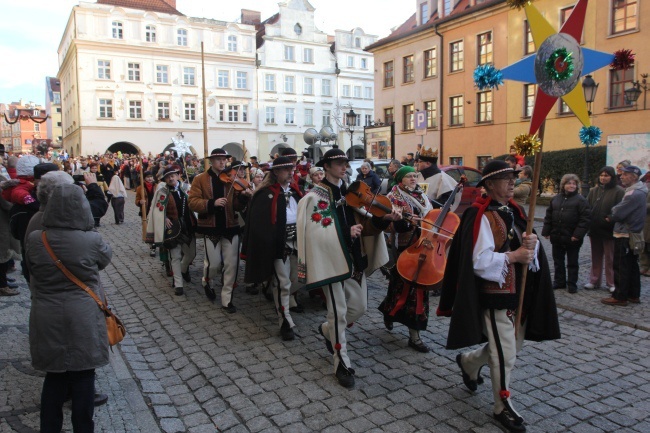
347, 301
499, 353
224, 256
286, 283
181, 256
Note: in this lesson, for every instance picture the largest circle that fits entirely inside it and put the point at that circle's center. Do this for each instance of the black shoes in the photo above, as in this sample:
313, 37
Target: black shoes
330, 349
419, 346
152, 252
230, 309
510, 421
209, 292
100, 399
345, 376
178, 291
286, 332
469, 383
186, 276
252, 289
572, 288
389, 324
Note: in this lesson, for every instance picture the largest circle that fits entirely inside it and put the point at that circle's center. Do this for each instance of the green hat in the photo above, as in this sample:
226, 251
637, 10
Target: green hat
399, 175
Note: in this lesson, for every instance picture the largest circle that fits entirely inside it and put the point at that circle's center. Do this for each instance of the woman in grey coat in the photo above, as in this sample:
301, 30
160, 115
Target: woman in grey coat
67, 330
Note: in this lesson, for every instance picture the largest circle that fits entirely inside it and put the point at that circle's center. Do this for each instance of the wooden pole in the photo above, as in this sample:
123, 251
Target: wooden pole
143, 207
530, 221
206, 162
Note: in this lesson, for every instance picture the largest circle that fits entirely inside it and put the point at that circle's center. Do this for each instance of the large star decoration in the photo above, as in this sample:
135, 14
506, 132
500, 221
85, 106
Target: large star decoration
557, 66
181, 147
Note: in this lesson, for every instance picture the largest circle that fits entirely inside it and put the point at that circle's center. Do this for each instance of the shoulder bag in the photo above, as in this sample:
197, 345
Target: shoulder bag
114, 326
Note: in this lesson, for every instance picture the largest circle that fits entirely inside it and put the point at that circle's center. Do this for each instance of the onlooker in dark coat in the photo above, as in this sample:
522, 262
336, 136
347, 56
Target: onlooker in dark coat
602, 198
369, 177
566, 223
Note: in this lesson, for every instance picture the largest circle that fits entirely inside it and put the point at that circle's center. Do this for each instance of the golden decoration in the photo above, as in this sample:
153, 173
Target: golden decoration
527, 145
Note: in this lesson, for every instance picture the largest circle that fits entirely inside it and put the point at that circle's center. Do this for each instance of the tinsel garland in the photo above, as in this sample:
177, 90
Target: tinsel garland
518, 4
590, 136
623, 60
527, 145
487, 77
559, 65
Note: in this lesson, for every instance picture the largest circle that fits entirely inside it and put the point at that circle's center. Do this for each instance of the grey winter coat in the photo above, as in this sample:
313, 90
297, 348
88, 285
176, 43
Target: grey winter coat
67, 330
5, 232
629, 214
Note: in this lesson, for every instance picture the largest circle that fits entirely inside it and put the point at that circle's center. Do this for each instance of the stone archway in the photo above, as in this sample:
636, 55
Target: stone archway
359, 152
236, 150
278, 148
124, 147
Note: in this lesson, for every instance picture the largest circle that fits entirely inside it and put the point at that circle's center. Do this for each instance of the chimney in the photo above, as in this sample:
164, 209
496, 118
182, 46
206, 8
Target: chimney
441, 9
171, 3
251, 17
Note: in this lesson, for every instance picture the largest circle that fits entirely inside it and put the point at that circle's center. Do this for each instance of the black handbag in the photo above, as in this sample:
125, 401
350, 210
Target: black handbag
175, 235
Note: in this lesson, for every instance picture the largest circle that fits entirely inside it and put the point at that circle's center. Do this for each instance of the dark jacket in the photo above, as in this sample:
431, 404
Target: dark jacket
372, 180
567, 216
602, 199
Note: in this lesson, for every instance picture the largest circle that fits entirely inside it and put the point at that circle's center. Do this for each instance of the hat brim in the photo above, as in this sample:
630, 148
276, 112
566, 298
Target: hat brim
285, 165
225, 155
170, 172
322, 162
481, 182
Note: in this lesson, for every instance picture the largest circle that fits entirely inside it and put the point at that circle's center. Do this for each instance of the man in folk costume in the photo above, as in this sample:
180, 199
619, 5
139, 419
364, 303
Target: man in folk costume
482, 287
170, 206
337, 249
216, 202
144, 196
439, 184
272, 251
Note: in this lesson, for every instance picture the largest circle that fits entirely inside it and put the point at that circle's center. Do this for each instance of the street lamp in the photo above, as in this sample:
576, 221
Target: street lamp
589, 87
352, 120
632, 94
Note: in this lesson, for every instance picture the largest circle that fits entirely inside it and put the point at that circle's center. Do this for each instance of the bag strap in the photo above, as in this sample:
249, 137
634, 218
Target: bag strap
70, 275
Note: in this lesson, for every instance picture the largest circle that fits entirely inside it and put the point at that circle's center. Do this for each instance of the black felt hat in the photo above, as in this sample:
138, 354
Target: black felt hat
494, 169
332, 155
218, 152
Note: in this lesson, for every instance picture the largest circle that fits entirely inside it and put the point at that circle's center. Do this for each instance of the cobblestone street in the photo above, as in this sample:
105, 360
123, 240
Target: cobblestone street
188, 366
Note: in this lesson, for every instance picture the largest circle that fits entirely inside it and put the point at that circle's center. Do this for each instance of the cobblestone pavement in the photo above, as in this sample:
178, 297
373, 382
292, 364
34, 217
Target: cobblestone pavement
186, 365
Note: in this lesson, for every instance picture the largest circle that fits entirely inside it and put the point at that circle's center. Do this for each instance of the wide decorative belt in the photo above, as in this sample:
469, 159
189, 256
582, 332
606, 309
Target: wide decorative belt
291, 232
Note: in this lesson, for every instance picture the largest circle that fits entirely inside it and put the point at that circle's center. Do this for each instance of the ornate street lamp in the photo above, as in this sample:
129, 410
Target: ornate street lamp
632, 94
352, 120
589, 87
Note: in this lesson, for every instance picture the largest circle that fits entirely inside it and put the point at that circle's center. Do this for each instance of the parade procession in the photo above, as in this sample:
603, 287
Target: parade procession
425, 272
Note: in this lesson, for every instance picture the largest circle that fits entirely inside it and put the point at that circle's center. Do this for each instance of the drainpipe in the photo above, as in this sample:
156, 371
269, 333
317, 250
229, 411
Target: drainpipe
441, 75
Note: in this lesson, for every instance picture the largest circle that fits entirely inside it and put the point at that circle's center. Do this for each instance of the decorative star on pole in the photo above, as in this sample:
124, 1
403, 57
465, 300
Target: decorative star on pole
557, 66
181, 147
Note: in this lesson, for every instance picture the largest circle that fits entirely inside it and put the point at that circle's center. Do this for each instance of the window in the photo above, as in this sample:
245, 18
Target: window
308, 55
563, 108
189, 110
388, 74
408, 115
308, 86
223, 79
105, 108
484, 48
357, 42
455, 160
290, 116
350, 62
357, 91
135, 109
326, 88
389, 116
232, 43
367, 92
58, 124
617, 85
188, 76
484, 108
220, 114
298, 29
529, 99
327, 114
409, 73
368, 119
37, 127
424, 13
289, 53
345, 91
163, 110
270, 115
624, 15
233, 113
269, 83
529, 43
289, 84
364, 63
133, 71
430, 63
309, 116
456, 108
242, 80
244, 113
456, 55
117, 30
162, 74
431, 109
481, 161
150, 33
104, 69
181, 37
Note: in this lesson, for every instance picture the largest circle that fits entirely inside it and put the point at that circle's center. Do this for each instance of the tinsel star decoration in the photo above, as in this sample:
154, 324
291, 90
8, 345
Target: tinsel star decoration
181, 147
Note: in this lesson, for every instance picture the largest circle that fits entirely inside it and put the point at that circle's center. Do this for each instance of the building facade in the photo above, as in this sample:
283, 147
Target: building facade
53, 109
23, 127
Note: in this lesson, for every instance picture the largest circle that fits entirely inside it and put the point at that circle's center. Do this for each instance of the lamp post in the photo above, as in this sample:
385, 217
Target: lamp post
352, 120
589, 87
632, 94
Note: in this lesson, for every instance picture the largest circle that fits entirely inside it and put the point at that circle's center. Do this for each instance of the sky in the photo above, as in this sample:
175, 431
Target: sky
31, 31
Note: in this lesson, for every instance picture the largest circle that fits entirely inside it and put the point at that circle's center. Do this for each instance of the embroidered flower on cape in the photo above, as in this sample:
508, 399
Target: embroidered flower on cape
322, 213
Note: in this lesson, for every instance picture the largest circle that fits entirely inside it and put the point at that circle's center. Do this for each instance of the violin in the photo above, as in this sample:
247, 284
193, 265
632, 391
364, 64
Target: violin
423, 263
231, 176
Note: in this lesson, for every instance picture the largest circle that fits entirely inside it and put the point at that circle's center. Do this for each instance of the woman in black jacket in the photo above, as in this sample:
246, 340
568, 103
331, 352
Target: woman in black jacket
602, 198
566, 223
369, 177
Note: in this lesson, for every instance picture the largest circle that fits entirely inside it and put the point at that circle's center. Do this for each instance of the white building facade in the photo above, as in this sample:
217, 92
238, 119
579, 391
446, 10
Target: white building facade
131, 79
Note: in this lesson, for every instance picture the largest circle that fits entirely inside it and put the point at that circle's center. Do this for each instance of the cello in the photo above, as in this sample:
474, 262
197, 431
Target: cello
423, 263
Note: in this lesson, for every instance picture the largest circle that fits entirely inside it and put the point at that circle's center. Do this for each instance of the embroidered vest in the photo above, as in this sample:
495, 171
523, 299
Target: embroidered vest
501, 245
